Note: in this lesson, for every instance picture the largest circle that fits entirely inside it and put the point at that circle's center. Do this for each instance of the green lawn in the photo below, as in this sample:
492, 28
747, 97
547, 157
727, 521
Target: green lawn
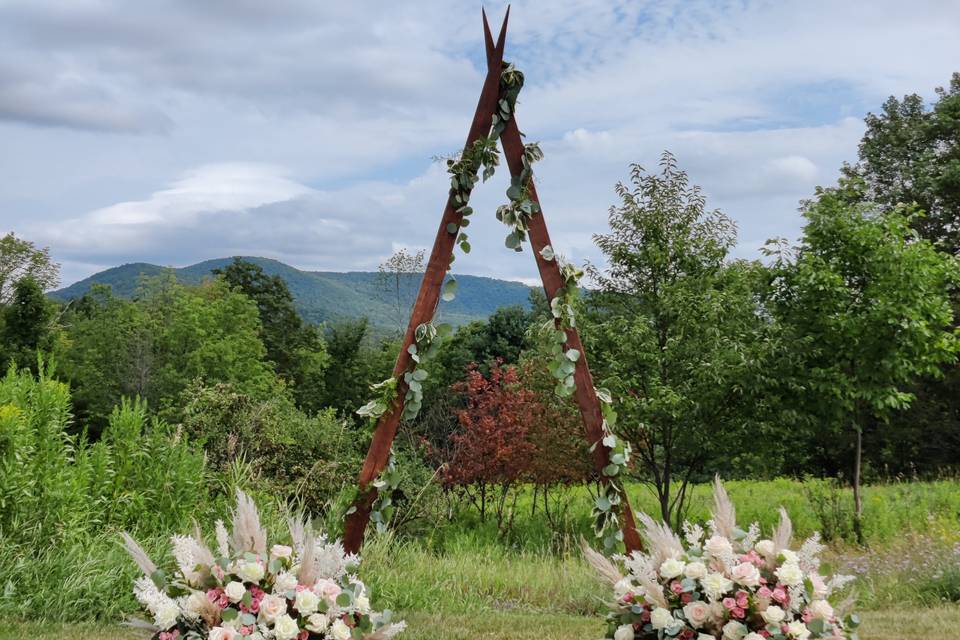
886, 625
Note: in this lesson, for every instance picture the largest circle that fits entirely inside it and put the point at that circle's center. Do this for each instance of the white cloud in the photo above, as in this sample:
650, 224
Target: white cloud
303, 130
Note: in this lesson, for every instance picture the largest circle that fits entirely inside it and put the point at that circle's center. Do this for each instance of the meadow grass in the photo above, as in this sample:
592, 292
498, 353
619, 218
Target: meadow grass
891, 511
461, 580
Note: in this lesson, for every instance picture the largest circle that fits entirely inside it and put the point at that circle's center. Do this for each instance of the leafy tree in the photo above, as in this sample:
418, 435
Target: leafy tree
21, 259
492, 452
156, 345
675, 332
555, 429
296, 348
398, 279
355, 362
867, 301
910, 154
27, 324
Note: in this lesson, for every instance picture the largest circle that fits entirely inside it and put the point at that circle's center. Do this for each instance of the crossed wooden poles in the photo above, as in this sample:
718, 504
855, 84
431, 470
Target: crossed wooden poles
423, 310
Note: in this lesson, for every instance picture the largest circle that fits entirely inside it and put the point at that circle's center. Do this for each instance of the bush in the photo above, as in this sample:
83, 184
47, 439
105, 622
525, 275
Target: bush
305, 459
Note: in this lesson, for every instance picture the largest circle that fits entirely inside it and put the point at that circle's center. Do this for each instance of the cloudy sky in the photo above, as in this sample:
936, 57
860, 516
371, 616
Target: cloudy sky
176, 131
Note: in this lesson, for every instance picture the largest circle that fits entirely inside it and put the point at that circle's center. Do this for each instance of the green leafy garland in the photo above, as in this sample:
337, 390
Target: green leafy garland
516, 214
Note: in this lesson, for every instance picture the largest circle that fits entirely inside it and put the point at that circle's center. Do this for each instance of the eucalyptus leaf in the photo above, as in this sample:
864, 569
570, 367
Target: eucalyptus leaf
449, 290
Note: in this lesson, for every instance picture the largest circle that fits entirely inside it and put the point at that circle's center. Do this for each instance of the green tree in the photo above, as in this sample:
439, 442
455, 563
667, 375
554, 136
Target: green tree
910, 154
28, 325
296, 348
357, 360
868, 303
675, 331
156, 345
21, 259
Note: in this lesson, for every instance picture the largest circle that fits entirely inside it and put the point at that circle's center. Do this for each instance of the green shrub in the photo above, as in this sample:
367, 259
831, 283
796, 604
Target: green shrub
63, 500
305, 459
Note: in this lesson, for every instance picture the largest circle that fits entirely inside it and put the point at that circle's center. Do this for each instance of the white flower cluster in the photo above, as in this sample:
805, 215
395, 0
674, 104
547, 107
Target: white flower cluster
247, 592
730, 586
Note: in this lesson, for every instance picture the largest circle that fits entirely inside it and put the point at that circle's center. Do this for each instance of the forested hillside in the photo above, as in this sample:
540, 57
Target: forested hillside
321, 296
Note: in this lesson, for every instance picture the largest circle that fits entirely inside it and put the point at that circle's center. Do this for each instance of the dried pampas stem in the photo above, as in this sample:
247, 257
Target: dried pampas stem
783, 532
248, 535
138, 554
602, 565
663, 542
308, 565
724, 513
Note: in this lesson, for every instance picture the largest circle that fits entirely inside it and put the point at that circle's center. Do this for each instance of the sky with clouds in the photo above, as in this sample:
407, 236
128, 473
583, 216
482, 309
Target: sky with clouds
175, 131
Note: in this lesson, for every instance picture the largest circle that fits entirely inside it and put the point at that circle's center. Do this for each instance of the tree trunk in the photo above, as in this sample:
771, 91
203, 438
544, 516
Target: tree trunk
857, 497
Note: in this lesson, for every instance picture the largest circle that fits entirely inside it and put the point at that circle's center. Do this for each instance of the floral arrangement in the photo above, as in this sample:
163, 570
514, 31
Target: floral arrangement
731, 585
305, 591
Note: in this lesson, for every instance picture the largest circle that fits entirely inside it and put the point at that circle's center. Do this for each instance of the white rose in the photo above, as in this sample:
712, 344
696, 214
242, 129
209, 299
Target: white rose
790, 574
753, 636
734, 630
773, 614
285, 628
272, 607
622, 588
661, 618
695, 570
821, 609
798, 630
317, 623
765, 548
250, 571
746, 574
716, 584
280, 551
718, 546
306, 601
624, 632
697, 613
340, 630
166, 614
362, 603
285, 582
235, 591
671, 568
789, 556
705, 636
222, 633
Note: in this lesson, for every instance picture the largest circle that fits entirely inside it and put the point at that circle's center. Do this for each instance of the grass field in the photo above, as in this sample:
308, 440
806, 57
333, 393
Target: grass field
463, 582
490, 625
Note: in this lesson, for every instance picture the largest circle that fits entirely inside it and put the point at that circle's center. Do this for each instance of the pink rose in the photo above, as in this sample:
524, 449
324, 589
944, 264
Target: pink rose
697, 613
729, 603
327, 589
746, 574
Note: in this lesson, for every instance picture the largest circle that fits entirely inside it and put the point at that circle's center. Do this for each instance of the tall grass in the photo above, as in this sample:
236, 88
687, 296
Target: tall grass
63, 500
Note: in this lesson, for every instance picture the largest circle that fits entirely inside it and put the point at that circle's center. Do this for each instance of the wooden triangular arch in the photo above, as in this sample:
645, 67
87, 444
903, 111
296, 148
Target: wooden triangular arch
553, 280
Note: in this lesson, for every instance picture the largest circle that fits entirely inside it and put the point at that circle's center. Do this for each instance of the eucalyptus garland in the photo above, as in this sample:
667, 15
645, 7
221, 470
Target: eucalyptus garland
606, 508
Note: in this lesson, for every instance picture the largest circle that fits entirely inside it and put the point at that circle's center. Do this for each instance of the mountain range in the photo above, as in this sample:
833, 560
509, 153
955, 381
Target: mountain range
324, 296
